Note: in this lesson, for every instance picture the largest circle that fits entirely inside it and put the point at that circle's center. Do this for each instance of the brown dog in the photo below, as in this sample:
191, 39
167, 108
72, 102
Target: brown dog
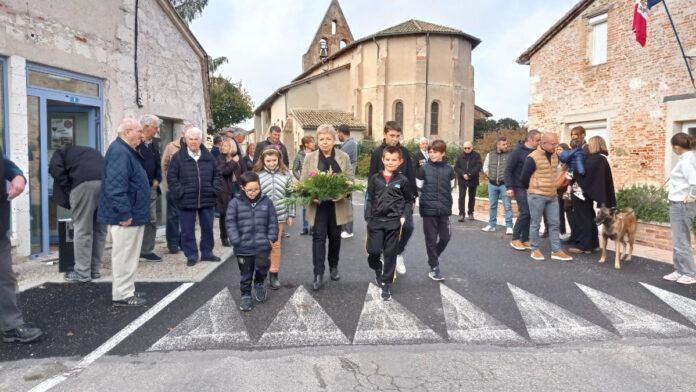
620, 227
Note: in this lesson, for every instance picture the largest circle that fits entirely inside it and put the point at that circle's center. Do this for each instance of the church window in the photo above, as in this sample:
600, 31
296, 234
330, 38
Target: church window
333, 27
461, 121
323, 49
434, 117
598, 50
368, 119
399, 113
343, 44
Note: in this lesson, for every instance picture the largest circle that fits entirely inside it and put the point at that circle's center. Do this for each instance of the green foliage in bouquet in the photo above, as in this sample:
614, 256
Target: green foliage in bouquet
322, 186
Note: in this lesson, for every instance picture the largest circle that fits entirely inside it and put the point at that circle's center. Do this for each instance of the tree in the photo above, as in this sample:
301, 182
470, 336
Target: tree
508, 123
215, 63
189, 10
229, 102
482, 126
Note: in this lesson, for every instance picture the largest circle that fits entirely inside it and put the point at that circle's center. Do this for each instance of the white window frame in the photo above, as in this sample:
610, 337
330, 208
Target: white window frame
689, 125
593, 128
598, 39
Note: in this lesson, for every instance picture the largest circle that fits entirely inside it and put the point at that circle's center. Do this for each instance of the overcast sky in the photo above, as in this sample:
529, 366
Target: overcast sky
265, 39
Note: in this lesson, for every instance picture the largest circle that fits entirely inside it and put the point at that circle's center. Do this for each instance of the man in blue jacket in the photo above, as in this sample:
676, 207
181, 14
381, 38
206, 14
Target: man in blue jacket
12, 324
124, 205
515, 188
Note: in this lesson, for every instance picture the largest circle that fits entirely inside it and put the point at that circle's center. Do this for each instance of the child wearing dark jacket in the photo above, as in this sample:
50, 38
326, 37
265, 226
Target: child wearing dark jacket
252, 226
387, 206
435, 181
574, 160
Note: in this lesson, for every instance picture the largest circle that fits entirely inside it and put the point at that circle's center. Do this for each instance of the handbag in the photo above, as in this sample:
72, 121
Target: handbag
562, 181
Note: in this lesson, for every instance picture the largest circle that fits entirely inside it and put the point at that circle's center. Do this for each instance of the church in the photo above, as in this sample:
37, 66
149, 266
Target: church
416, 73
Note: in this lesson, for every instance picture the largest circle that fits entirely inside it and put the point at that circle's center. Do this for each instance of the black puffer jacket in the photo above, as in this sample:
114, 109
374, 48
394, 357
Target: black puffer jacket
194, 184
436, 193
387, 201
251, 224
469, 164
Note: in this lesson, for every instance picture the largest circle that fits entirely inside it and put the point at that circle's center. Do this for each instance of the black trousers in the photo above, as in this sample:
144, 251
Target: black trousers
585, 234
383, 238
325, 226
463, 190
437, 236
223, 228
253, 268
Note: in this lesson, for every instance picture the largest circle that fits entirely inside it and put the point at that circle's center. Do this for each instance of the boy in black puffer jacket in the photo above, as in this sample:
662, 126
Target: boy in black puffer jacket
252, 226
435, 181
387, 206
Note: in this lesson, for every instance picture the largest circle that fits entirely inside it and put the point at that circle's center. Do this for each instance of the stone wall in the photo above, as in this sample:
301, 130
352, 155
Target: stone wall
627, 92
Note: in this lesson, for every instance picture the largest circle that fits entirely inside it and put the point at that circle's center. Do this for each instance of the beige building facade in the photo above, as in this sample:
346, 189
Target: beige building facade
416, 73
68, 76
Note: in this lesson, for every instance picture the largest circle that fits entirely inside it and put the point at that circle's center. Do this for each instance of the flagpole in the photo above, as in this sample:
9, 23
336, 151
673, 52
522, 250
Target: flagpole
664, 2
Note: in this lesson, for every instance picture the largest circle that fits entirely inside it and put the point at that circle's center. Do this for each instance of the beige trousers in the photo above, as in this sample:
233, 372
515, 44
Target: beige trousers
275, 249
125, 254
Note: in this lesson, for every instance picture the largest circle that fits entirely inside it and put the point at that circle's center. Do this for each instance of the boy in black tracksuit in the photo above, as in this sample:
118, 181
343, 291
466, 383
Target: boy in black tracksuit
435, 181
387, 206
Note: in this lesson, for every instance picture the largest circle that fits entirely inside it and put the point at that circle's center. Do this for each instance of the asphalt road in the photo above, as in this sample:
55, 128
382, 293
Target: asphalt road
494, 299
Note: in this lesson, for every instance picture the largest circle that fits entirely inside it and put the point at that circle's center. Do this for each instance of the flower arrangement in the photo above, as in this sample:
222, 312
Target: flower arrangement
322, 186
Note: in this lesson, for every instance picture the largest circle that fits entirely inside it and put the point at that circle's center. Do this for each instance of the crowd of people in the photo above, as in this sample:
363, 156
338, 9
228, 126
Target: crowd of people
248, 189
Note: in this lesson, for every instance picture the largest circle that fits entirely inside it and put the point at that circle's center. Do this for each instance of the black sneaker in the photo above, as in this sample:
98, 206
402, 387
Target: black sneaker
96, 275
173, 250
245, 303
150, 257
386, 292
72, 276
378, 277
435, 274
260, 292
191, 262
471, 216
133, 301
211, 258
23, 334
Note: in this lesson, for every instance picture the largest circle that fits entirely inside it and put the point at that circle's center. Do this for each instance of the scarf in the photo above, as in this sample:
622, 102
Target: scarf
328, 163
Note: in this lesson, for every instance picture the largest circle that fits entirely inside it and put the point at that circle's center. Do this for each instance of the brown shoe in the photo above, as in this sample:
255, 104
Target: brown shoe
537, 255
578, 250
517, 244
561, 255
527, 245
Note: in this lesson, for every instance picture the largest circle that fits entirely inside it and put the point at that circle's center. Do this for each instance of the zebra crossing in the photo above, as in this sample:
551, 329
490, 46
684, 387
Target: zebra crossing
303, 322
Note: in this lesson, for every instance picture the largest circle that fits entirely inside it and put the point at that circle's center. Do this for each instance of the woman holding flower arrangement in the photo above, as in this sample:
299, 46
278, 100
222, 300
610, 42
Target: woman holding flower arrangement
275, 180
326, 213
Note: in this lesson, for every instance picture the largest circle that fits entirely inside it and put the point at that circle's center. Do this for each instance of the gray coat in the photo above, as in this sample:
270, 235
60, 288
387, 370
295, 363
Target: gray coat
350, 147
275, 187
297, 163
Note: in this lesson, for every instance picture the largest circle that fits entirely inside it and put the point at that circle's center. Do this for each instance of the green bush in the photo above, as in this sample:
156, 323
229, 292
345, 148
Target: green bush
482, 190
363, 165
648, 202
366, 146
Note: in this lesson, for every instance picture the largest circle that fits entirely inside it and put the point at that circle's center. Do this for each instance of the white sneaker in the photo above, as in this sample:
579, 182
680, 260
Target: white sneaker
489, 228
564, 237
508, 231
346, 234
673, 277
400, 266
686, 279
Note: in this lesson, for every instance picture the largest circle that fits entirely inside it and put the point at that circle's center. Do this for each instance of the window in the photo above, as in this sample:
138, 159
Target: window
689, 127
343, 44
434, 117
368, 119
323, 48
461, 121
593, 128
598, 50
62, 83
3, 104
333, 27
399, 113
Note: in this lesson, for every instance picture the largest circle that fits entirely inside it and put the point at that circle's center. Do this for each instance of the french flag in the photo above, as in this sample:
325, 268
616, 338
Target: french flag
640, 18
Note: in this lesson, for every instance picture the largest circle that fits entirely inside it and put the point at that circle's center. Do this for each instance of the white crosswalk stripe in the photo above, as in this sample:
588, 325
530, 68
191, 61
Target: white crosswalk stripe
683, 305
632, 321
216, 324
302, 322
467, 323
549, 323
388, 322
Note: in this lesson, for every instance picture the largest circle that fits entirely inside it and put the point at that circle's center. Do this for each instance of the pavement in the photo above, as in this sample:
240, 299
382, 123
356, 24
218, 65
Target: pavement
499, 321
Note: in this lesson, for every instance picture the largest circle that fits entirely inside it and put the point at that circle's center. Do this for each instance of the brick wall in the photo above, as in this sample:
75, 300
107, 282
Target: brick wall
657, 236
627, 91
482, 205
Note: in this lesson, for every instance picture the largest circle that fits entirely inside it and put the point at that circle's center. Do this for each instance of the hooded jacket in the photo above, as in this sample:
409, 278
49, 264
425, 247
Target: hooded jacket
251, 224
275, 186
515, 162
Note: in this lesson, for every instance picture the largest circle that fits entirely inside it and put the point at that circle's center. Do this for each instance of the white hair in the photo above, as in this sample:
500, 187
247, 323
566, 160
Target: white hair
424, 139
326, 129
193, 131
127, 123
149, 120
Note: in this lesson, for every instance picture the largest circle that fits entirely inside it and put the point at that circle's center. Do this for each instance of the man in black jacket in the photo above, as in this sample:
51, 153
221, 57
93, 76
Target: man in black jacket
77, 173
152, 163
467, 167
515, 188
272, 140
392, 135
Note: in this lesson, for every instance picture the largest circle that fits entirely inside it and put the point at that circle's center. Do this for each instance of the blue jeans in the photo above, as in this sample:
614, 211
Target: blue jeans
206, 216
173, 233
494, 191
521, 230
540, 206
305, 224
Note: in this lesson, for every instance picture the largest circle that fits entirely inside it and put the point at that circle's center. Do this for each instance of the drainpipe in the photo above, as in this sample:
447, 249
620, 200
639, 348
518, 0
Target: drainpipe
427, 67
138, 100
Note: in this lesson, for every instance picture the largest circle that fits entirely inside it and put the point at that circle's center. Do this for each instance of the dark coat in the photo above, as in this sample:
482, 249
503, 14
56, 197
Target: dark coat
388, 201
263, 144
230, 172
125, 191
574, 160
598, 182
251, 227
436, 192
515, 163
248, 163
193, 184
471, 165
407, 168
420, 158
71, 166
152, 160
8, 171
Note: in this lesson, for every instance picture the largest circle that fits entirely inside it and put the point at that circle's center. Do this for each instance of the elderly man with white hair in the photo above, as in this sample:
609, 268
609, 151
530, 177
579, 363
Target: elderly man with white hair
152, 162
124, 205
194, 182
422, 155
173, 234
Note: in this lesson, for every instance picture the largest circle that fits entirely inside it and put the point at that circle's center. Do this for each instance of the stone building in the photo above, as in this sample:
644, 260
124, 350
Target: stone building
417, 73
588, 70
70, 71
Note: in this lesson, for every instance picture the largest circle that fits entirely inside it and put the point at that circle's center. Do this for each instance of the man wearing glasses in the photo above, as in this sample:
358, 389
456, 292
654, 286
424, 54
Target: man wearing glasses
467, 168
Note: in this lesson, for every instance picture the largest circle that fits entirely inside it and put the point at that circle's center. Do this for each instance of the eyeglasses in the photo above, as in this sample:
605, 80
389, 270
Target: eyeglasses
467, 148
252, 190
